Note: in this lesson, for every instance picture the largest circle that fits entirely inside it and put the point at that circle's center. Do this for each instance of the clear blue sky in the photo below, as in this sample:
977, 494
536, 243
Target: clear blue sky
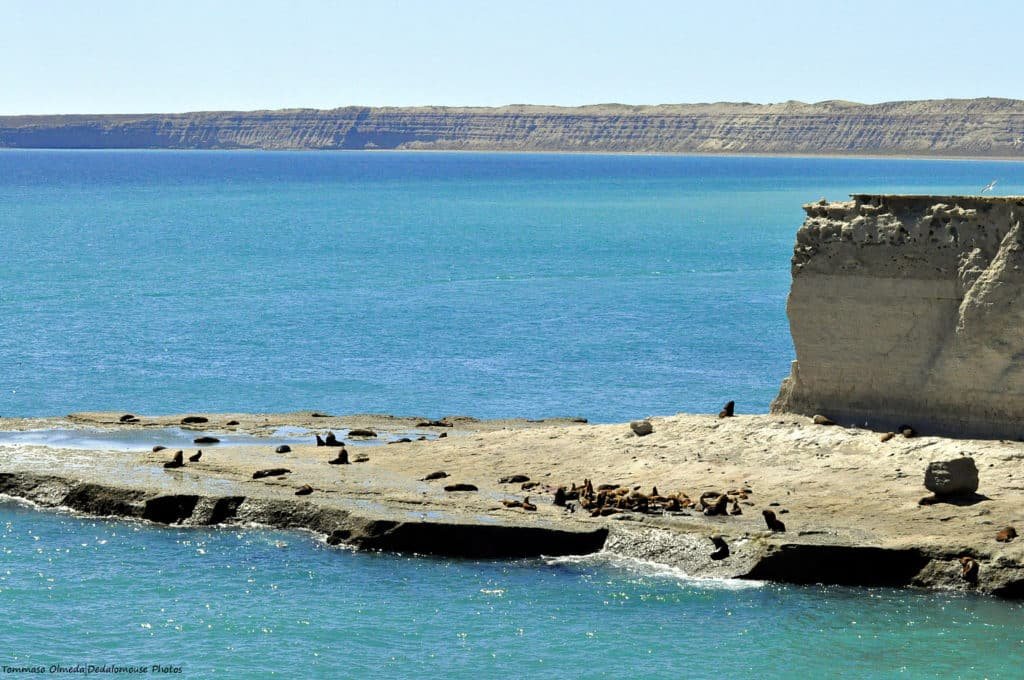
119, 56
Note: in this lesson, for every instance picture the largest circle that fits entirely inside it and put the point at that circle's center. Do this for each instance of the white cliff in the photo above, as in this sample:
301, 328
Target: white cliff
910, 309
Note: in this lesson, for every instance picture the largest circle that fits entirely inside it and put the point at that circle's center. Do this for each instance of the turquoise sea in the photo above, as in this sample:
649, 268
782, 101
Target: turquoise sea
530, 285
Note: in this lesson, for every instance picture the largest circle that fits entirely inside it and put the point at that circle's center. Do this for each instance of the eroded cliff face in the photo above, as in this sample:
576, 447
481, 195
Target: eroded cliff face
980, 127
910, 309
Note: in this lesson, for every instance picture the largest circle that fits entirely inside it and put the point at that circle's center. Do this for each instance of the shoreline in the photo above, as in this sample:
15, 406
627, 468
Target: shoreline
849, 500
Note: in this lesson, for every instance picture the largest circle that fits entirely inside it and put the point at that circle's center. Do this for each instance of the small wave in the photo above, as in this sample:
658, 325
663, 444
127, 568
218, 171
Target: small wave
647, 568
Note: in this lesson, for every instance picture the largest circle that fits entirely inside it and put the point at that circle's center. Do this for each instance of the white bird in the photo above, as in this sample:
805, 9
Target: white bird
989, 187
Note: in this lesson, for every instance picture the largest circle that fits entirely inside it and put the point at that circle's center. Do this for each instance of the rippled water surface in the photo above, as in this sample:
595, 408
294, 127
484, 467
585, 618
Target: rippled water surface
496, 285
251, 603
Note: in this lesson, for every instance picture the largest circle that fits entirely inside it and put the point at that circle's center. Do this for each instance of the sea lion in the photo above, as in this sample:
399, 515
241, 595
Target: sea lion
526, 486
158, 448
735, 509
270, 472
434, 423
512, 504
331, 440
231, 423
320, 441
440, 474
968, 569
359, 432
361, 458
128, 418
403, 440
442, 435
283, 448
461, 487
206, 439
513, 479
772, 521
194, 458
822, 420
907, 431
721, 548
341, 458
887, 436
727, 410
177, 462
560, 497
1006, 535
188, 420
527, 505
304, 490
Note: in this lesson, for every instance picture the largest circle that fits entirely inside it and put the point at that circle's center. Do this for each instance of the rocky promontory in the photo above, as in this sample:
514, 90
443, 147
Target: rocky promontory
952, 127
909, 311
694, 492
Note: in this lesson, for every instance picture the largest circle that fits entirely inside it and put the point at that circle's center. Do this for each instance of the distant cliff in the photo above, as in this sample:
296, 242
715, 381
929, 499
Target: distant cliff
976, 127
910, 310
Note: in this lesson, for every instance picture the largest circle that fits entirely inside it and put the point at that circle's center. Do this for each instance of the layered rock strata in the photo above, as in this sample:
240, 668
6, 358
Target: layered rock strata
910, 310
975, 127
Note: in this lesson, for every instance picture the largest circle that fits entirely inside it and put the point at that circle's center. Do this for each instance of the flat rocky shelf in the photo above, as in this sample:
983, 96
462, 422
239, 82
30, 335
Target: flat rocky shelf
849, 501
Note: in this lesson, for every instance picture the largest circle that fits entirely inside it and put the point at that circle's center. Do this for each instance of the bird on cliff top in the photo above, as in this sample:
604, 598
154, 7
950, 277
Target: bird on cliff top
990, 186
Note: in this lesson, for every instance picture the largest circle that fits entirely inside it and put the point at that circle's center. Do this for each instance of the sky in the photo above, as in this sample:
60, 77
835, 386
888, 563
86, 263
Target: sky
115, 56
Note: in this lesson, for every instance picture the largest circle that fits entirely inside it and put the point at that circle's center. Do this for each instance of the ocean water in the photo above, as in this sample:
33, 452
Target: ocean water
529, 285
240, 603
493, 285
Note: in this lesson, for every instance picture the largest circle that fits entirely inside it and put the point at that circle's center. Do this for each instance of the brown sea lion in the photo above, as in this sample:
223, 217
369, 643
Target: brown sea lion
283, 448
194, 458
512, 504
735, 509
887, 436
513, 479
320, 441
128, 418
341, 458
772, 521
331, 440
527, 505
304, 490
440, 474
158, 448
270, 472
968, 569
727, 410
177, 462
461, 487
1006, 535
206, 439
559, 497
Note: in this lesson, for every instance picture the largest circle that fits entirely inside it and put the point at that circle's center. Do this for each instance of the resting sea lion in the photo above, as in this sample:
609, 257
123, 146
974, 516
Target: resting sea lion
440, 474
270, 472
283, 448
304, 490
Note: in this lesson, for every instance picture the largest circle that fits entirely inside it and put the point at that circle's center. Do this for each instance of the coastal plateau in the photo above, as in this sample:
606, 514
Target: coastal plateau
952, 127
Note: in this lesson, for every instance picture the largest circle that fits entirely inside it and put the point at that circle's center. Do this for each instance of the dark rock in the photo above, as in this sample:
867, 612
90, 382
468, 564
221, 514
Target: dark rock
440, 474
176, 462
907, 431
361, 433
169, 509
316, 414
514, 479
338, 536
270, 472
772, 521
582, 421
205, 440
188, 420
1006, 535
641, 428
461, 487
728, 410
421, 438
956, 477
283, 448
822, 420
194, 458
